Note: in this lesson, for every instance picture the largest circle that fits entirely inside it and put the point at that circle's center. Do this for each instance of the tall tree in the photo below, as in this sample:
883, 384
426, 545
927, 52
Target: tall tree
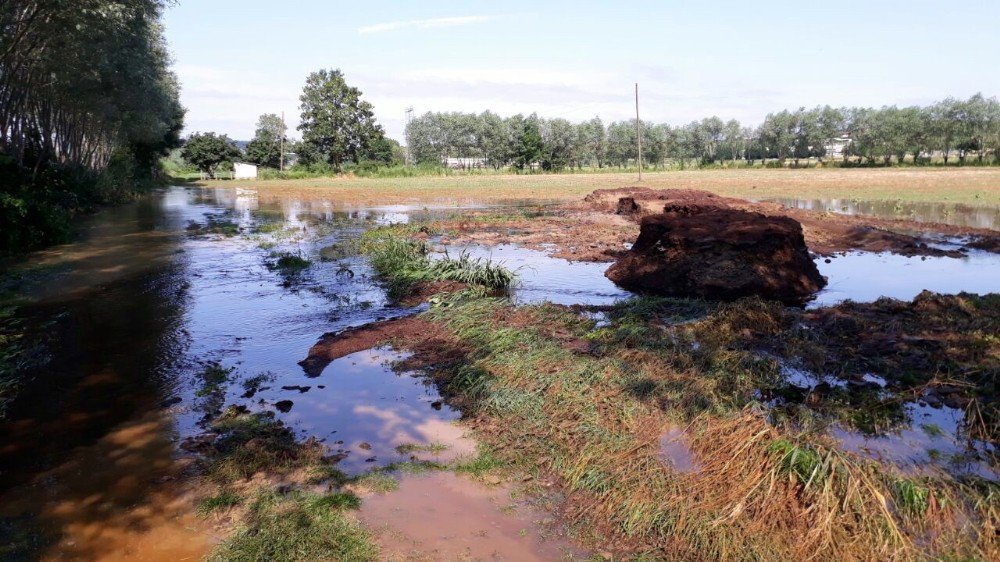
208, 151
529, 146
265, 147
337, 125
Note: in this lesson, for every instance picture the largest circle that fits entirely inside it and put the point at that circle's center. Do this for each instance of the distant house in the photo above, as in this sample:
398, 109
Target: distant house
243, 171
836, 147
463, 163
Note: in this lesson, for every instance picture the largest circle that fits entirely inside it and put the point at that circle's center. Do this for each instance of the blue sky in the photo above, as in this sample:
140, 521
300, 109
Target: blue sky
238, 59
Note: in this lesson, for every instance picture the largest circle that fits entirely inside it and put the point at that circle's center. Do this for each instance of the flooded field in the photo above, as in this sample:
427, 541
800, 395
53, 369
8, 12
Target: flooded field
170, 311
943, 213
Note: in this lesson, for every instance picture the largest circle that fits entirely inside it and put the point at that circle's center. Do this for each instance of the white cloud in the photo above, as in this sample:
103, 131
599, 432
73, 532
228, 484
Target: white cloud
424, 24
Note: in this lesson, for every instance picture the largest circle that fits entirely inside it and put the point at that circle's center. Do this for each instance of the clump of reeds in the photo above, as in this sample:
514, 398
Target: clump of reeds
404, 263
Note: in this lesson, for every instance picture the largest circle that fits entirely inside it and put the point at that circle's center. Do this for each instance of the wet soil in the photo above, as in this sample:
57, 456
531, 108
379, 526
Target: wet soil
334, 345
720, 254
596, 229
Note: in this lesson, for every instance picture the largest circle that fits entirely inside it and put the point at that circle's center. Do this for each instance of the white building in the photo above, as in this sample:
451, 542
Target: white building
466, 163
836, 147
243, 171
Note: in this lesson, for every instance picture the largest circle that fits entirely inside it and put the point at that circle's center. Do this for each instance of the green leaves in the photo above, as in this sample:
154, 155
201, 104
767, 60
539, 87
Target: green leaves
207, 151
337, 125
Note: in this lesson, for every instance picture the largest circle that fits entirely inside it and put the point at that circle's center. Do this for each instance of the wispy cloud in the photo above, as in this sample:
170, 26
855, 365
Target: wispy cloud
424, 24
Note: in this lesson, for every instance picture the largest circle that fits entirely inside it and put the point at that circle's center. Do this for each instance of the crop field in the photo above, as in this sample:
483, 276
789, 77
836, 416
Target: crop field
969, 186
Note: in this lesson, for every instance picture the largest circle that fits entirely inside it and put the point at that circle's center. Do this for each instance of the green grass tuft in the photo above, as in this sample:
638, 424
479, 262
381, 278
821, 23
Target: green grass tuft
223, 500
298, 527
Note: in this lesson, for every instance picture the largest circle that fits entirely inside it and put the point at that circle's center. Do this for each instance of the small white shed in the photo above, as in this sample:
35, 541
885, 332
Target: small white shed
243, 171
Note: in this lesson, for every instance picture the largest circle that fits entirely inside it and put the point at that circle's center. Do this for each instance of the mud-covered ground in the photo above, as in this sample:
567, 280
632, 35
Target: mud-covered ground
597, 229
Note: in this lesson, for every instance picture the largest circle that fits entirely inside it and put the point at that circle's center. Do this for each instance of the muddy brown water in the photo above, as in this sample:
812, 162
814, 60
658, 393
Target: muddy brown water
445, 516
136, 309
134, 312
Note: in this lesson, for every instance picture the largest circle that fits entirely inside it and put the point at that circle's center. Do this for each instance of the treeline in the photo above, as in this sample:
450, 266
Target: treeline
88, 106
951, 129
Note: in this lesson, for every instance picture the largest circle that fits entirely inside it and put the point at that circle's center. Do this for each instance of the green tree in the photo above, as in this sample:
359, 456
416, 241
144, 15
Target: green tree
337, 125
592, 142
207, 151
265, 147
529, 146
386, 151
558, 140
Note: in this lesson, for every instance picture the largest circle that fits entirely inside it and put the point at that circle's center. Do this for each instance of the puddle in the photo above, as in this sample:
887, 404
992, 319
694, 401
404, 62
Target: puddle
864, 277
926, 439
931, 442
543, 278
675, 451
444, 516
944, 213
359, 407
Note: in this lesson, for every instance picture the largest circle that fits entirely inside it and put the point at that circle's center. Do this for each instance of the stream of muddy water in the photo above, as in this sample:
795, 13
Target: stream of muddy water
185, 282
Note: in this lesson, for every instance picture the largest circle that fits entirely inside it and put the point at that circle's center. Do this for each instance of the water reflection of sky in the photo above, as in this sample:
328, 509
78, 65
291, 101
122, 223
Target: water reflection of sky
360, 407
865, 277
542, 277
932, 441
945, 213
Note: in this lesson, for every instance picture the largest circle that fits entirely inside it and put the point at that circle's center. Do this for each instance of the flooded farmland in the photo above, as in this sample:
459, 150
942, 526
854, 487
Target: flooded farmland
193, 304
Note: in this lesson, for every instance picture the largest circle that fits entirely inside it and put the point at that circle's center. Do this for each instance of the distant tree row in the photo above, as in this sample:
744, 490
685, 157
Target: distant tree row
950, 128
88, 106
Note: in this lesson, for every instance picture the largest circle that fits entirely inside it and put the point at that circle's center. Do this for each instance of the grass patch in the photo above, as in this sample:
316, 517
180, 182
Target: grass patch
251, 443
298, 527
22, 350
225, 499
482, 464
287, 262
213, 378
221, 226
412, 448
763, 489
379, 482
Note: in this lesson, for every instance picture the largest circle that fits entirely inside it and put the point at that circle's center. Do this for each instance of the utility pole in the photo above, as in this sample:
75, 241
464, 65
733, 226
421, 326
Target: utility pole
406, 135
281, 150
638, 128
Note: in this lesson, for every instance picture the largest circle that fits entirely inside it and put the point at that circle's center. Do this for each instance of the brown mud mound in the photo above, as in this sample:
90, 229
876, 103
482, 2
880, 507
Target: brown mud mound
719, 253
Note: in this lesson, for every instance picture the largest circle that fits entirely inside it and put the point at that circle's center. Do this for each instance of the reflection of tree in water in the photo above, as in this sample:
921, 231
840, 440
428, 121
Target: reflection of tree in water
119, 344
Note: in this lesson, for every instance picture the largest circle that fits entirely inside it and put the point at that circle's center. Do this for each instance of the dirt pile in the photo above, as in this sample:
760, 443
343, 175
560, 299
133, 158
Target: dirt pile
718, 253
